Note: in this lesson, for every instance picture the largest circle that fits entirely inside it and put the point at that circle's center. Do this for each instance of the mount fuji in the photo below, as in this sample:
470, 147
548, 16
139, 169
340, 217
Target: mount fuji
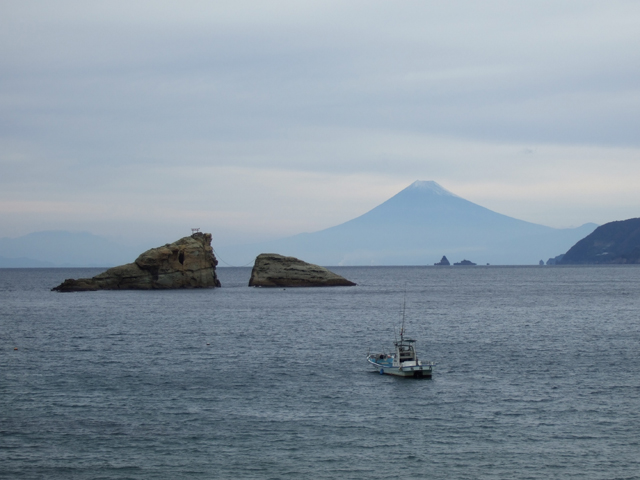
416, 227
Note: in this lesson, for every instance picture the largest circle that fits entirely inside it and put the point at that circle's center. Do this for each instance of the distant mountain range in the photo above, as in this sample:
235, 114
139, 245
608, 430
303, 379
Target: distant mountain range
614, 242
417, 227
63, 249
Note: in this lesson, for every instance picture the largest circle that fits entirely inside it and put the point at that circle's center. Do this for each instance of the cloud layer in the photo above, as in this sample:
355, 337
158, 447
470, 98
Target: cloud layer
261, 119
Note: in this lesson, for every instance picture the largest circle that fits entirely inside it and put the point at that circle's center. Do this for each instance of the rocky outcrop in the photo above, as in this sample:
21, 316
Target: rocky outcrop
187, 263
555, 260
273, 270
443, 261
611, 243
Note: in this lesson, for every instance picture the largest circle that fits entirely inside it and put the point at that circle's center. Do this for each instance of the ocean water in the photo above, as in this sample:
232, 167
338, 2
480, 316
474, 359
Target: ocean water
537, 377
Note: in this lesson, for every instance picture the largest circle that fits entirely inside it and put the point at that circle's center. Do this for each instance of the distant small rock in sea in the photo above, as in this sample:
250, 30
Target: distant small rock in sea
443, 261
464, 263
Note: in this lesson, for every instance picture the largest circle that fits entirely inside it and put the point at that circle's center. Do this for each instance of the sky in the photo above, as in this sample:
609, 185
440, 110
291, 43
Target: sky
253, 120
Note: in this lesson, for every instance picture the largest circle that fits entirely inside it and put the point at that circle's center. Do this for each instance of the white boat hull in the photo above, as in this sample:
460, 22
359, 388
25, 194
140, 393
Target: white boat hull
386, 367
407, 371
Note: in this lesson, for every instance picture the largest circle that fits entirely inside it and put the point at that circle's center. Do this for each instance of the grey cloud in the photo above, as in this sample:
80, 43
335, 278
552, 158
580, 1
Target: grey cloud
478, 74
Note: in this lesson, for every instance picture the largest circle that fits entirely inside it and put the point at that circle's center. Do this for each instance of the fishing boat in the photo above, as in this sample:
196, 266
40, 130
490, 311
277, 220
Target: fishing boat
404, 361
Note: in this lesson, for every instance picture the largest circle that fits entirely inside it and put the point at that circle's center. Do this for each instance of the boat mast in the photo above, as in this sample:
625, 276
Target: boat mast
404, 308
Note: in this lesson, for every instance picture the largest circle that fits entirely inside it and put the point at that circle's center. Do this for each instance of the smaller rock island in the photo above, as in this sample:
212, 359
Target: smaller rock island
273, 270
186, 263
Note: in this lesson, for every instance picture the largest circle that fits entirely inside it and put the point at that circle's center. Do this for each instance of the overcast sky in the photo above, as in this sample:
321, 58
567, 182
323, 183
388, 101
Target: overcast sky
254, 119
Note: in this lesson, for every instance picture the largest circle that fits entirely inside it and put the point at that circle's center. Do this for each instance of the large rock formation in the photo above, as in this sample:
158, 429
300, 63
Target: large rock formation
273, 270
613, 242
187, 263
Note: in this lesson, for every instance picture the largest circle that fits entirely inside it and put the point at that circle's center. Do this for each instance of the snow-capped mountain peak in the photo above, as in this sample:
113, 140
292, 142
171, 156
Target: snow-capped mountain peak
431, 187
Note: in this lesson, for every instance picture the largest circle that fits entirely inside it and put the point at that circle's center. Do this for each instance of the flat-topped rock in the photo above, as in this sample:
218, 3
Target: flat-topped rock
186, 263
273, 270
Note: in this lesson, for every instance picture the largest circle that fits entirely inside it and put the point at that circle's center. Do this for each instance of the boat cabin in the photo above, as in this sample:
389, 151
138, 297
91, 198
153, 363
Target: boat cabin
405, 351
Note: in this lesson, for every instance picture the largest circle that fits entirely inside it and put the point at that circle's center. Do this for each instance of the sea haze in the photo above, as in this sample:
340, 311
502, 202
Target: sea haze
537, 377
417, 226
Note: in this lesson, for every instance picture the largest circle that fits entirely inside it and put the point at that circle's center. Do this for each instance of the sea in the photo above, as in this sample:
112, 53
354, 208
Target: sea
537, 377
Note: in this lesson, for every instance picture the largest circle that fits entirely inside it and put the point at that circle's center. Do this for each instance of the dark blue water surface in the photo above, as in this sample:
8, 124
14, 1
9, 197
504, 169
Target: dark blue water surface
538, 377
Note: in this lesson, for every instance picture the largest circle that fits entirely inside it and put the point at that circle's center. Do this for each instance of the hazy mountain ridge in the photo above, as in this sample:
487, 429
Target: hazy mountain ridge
64, 249
416, 227
612, 243
24, 262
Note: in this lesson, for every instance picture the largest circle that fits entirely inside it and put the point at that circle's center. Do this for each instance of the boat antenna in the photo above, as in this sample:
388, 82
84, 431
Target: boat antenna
404, 308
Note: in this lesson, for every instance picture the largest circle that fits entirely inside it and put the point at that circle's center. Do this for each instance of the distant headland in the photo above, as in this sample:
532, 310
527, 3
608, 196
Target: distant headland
612, 243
